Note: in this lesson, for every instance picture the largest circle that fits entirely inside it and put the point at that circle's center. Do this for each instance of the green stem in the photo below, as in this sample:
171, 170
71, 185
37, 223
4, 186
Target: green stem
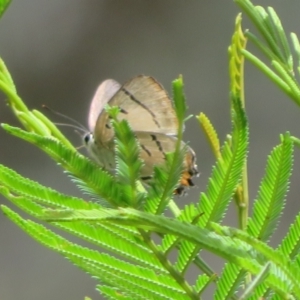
244, 204
15, 101
174, 208
269, 73
168, 266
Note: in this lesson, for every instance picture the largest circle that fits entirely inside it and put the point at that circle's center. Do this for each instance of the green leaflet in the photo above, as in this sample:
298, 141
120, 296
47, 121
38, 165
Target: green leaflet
14, 184
128, 163
274, 44
119, 240
222, 184
226, 173
3, 6
230, 281
89, 176
290, 244
108, 269
270, 201
232, 244
283, 275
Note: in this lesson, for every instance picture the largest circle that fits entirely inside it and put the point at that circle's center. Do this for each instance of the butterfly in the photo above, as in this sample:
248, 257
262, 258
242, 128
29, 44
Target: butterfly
146, 106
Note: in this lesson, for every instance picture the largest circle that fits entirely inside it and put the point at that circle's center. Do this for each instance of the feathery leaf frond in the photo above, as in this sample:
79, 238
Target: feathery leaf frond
271, 196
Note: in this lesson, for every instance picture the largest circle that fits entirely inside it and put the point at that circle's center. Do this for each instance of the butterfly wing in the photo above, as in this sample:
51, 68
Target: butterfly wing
106, 90
144, 104
148, 109
154, 147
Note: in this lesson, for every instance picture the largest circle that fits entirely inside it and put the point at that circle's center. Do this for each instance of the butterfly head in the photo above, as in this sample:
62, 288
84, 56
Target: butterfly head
88, 138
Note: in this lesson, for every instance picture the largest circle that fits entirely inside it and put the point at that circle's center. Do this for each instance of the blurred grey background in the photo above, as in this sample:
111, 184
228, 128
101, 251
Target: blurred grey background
59, 51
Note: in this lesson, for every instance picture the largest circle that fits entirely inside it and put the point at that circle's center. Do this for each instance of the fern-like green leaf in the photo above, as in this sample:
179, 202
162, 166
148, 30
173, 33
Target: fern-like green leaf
210, 133
229, 281
86, 172
281, 39
129, 216
225, 178
262, 21
165, 180
232, 244
187, 252
124, 242
131, 279
109, 270
290, 245
270, 201
113, 293
128, 163
275, 46
201, 283
260, 292
166, 177
283, 275
226, 174
3, 6
47, 197
256, 282
296, 46
179, 101
132, 217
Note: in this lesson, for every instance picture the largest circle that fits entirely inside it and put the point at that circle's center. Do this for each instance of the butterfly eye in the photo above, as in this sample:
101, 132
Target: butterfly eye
87, 138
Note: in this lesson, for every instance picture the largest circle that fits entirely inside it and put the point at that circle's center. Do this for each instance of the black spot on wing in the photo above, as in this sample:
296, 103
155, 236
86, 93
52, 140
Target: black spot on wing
158, 144
179, 191
146, 150
190, 182
107, 126
193, 171
123, 111
145, 178
141, 104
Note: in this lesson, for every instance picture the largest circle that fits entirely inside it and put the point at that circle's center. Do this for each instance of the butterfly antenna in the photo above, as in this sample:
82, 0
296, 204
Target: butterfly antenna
78, 132
78, 125
79, 147
77, 128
